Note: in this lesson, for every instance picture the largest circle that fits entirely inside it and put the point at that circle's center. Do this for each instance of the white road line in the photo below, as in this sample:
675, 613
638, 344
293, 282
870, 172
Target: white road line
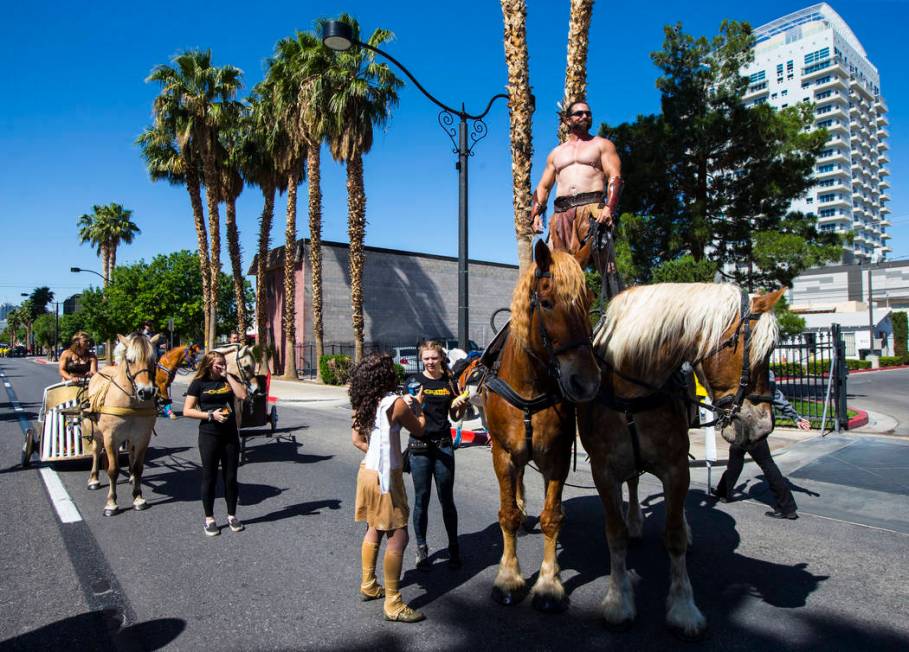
66, 508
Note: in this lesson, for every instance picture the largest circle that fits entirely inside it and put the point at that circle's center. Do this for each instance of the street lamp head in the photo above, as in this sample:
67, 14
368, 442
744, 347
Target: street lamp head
337, 36
75, 269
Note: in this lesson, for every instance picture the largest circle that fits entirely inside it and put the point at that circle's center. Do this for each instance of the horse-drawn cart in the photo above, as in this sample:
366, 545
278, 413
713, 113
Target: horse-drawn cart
59, 436
257, 412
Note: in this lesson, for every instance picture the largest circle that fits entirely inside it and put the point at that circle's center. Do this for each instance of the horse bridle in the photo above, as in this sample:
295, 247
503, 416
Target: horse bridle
727, 407
552, 364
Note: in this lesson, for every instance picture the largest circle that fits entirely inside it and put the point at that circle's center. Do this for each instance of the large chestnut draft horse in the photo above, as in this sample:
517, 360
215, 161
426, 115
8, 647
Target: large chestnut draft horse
640, 419
122, 410
179, 356
546, 365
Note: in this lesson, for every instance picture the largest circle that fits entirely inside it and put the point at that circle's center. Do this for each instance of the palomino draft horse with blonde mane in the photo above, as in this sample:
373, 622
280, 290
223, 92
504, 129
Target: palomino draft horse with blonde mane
546, 365
122, 410
640, 419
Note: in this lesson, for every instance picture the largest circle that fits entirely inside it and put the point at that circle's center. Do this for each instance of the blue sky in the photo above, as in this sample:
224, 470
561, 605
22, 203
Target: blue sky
75, 99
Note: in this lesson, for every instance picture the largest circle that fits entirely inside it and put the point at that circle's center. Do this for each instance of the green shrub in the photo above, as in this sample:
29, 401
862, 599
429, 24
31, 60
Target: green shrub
335, 369
891, 360
786, 369
399, 373
858, 364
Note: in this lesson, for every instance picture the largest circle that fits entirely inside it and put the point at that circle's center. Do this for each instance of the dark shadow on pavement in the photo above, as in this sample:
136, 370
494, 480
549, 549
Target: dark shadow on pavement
98, 630
300, 509
279, 449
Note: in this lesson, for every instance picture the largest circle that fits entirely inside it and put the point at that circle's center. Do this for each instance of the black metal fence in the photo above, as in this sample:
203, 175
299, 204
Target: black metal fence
811, 371
306, 355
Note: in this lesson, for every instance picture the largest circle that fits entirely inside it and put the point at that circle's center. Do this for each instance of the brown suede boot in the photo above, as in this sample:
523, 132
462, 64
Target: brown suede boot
395, 609
370, 589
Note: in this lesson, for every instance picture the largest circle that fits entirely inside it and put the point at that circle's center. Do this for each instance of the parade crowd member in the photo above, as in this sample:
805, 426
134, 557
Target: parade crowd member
381, 501
588, 173
77, 362
210, 398
432, 454
760, 453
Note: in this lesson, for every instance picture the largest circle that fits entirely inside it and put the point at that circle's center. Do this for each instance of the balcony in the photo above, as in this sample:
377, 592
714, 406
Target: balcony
756, 90
882, 159
859, 87
884, 172
886, 249
882, 133
879, 103
885, 197
884, 184
886, 236
882, 120
884, 211
841, 201
834, 219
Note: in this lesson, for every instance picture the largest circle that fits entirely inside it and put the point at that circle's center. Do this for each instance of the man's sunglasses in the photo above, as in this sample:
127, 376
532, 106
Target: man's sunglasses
578, 114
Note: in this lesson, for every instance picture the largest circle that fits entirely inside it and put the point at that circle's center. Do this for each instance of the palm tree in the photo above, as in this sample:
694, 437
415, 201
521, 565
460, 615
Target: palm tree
362, 95
259, 169
285, 75
192, 104
119, 228
231, 184
576, 68
92, 231
520, 107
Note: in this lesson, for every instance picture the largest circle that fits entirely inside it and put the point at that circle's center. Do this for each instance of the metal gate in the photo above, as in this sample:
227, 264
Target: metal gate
811, 372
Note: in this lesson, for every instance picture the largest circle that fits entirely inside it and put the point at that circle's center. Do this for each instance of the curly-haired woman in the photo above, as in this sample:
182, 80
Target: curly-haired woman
378, 414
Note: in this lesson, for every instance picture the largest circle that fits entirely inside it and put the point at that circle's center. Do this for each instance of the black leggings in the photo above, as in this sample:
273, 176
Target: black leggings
226, 450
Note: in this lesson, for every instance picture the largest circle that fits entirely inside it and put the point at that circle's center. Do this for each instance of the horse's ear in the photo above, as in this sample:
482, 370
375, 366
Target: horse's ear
122, 340
156, 338
766, 302
542, 256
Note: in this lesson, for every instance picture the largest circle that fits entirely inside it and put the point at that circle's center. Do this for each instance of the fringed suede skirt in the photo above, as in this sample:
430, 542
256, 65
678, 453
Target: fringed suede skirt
382, 511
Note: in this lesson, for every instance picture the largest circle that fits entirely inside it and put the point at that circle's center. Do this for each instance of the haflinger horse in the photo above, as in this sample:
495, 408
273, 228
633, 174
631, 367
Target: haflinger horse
168, 364
546, 365
242, 364
640, 420
122, 409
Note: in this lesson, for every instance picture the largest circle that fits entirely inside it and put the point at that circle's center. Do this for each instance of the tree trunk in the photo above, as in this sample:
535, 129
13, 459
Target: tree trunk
521, 107
195, 199
111, 261
236, 264
212, 196
105, 263
576, 67
356, 231
315, 253
290, 284
268, 210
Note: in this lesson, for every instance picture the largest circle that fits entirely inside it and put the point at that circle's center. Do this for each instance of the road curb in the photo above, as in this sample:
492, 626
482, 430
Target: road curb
860, 419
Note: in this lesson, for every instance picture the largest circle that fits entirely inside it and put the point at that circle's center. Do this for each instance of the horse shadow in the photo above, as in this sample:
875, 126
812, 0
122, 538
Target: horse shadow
98, 630
311, 508
479, 551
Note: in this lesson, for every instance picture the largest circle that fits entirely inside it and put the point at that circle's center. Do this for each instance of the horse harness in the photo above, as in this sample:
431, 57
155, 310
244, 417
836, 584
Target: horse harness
540, 402
184, 360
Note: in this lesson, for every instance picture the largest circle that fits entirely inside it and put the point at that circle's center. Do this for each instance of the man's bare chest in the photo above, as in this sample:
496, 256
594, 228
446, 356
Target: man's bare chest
571, 154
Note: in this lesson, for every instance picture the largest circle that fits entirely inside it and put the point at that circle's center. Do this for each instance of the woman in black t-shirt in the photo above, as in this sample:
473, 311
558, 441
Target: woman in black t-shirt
432, 454
210, 398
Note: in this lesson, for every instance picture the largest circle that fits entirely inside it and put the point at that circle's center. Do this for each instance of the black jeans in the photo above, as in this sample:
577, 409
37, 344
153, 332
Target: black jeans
224, 450
760, 453
438, 463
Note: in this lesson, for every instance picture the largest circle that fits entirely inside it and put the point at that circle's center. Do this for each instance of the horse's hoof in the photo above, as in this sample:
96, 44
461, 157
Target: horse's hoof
110, 511
94, 486
682, 635
140, 506
549, 604
506, 598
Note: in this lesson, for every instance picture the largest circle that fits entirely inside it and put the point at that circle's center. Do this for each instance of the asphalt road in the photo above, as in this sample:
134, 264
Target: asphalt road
147, 580
882, 391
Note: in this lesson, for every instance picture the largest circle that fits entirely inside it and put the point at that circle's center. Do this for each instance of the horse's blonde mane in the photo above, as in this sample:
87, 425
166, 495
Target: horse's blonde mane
651, 329
570, 289
139, 349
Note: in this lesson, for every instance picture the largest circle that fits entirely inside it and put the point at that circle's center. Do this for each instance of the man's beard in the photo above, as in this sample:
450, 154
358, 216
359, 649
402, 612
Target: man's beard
579, 128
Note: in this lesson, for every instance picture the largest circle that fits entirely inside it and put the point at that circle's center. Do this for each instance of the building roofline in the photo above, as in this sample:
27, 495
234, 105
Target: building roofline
836, 269
820, 11
276, 255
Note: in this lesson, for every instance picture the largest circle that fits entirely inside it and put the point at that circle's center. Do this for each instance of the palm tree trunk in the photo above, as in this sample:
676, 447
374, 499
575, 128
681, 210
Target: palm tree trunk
315, 253
195, 199
356, 231
111, 261
212, 194
521, 107
105, 265
290, 285
268, 210
576, 68
236, 264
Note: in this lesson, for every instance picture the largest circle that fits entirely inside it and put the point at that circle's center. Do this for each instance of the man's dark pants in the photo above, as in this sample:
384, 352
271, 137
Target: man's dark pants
760, 453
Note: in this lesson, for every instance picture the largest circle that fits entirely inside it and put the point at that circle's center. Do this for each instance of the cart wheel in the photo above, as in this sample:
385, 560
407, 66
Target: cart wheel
273, 418
28, 446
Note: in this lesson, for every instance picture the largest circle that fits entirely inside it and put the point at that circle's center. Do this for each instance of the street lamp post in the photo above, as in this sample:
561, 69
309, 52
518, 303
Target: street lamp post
338, 36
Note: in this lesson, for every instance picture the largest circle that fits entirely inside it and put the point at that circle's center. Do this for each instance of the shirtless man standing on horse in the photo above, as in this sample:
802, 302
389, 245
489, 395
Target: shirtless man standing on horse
588, 173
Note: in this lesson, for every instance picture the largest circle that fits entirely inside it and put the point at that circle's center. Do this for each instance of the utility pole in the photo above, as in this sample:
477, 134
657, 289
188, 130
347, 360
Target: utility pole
870, 319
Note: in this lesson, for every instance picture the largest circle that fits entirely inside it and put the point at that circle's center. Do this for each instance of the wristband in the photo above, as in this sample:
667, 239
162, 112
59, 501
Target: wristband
209, 415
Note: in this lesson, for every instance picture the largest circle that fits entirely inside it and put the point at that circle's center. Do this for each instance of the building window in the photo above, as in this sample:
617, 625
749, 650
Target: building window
757, 76
817, 55
810, 200
784, 93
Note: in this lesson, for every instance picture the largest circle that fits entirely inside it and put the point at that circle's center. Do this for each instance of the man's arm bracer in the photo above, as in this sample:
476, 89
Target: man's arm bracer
614, 193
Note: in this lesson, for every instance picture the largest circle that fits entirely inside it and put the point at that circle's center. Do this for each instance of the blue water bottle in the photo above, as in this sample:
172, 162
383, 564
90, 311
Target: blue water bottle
413, 387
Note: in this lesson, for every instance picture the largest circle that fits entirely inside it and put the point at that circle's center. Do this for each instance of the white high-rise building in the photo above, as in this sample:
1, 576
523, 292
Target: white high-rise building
812, 56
